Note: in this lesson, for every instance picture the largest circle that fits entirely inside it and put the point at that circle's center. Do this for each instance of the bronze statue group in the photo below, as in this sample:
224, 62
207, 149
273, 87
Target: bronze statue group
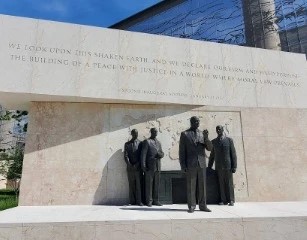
145, 157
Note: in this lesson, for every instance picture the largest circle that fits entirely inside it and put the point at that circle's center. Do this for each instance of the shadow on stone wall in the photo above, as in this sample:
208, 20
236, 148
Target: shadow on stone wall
52, 123
101, 191
84, 143
113, 183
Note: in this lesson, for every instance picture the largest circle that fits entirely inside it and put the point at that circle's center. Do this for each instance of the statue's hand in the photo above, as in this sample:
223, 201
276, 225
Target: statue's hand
159, 155
206, 134
233, 170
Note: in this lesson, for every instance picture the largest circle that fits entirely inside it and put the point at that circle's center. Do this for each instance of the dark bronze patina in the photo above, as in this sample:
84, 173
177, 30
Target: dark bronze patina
151, 165
192, 159
132, 152
225, 158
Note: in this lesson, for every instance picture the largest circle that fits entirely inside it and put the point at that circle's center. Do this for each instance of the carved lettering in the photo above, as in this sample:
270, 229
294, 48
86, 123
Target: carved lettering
112, 61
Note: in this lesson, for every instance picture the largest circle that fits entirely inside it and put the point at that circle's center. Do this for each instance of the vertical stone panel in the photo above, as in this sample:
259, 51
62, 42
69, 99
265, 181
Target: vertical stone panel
74, 151
275, 148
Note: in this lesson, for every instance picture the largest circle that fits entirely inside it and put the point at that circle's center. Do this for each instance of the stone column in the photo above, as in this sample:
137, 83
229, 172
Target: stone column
260, 28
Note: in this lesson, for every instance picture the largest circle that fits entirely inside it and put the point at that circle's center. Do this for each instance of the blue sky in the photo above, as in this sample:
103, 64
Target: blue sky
89, 12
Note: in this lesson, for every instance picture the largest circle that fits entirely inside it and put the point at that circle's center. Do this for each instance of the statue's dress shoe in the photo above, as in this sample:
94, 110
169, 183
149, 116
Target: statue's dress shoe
191, 210
157, 204
205, 209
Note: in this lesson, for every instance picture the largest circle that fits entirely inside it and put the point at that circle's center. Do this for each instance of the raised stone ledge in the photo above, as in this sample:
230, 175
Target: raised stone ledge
262, 220
49, 61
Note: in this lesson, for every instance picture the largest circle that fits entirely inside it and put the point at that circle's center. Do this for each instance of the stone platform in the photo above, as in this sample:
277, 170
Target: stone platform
270, 220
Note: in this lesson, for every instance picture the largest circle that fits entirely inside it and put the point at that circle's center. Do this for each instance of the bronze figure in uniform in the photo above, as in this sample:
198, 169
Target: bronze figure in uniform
132, 152
151, 165
225, 158
192, 159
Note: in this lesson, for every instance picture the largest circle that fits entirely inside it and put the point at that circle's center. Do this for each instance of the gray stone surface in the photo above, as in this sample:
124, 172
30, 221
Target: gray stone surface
74, 63
78, 149
244, 221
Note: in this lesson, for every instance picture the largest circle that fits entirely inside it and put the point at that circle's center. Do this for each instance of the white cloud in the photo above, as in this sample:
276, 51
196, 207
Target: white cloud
56, 6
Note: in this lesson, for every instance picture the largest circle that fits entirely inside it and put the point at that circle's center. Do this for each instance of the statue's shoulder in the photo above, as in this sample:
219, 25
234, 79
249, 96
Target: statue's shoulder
230, 139
146, 141
185, 132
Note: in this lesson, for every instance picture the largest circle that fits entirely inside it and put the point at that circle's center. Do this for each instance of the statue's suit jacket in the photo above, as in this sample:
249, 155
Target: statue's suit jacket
132, 154
151, 155
223, 153
192, 149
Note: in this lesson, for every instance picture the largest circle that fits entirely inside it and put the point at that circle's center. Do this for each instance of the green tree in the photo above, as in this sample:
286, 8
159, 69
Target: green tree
15, 165
11, 148
11, 166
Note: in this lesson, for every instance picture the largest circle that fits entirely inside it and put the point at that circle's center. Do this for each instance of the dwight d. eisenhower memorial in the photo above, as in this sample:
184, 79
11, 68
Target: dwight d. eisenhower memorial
87, 88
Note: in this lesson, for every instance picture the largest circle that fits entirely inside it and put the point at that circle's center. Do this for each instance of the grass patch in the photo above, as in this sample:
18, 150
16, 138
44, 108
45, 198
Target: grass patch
7, 200
7, 192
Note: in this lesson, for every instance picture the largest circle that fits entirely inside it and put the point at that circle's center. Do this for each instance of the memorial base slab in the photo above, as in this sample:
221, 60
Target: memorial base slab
244, 221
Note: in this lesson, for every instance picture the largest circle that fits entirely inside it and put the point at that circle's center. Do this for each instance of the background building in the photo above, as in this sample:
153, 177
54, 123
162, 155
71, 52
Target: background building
269, 24
279, 24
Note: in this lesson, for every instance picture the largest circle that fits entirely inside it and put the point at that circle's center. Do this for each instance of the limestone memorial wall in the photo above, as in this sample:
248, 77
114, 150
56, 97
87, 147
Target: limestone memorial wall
86, 88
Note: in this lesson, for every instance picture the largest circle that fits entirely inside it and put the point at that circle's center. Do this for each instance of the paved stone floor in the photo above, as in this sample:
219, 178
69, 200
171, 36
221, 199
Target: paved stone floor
39, 214
244, 221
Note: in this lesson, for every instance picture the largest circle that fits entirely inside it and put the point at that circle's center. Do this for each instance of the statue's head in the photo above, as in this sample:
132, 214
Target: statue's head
134, 134
153, 132
194, 121
219, 130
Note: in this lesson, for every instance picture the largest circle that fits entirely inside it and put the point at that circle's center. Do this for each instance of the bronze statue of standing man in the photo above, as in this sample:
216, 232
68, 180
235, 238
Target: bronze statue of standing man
132, 152
151, 165
224, 155
192, 159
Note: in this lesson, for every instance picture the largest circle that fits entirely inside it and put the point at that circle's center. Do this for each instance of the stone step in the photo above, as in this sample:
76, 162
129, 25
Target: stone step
246, 221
